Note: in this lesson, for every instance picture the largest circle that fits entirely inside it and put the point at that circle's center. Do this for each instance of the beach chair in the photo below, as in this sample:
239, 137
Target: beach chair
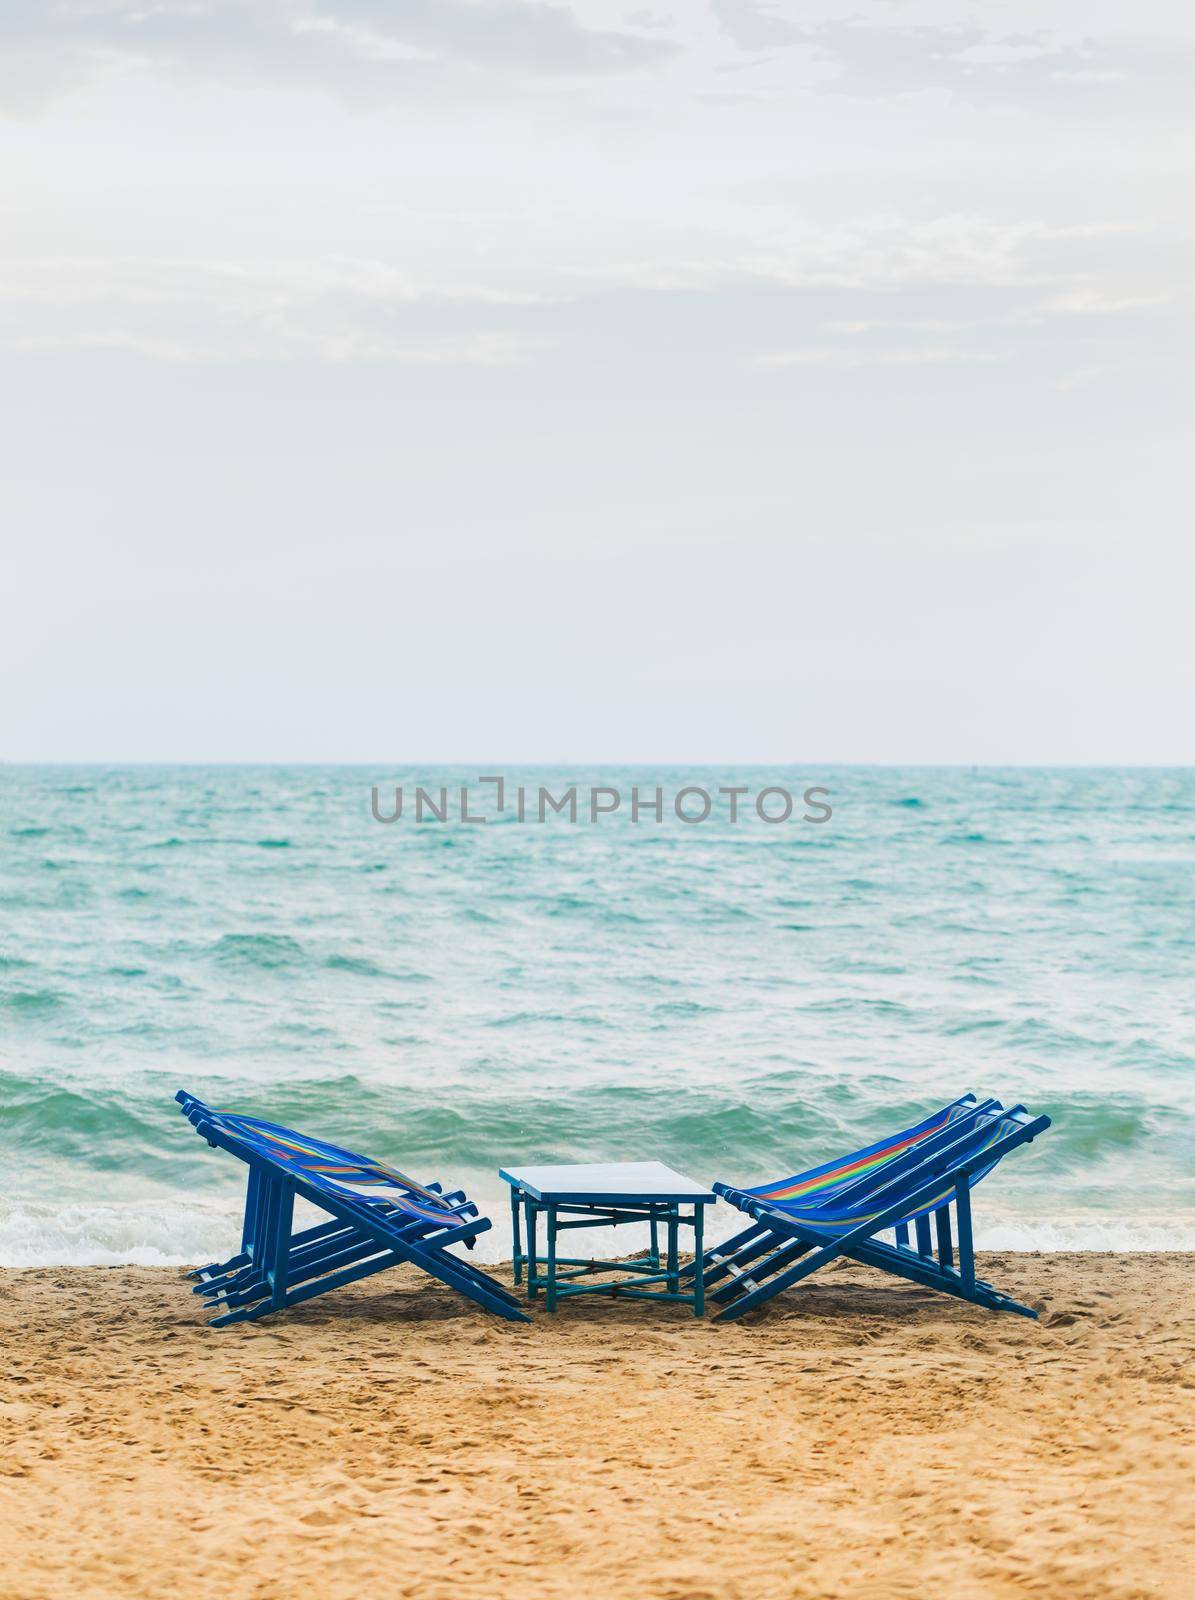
841, 1208
378, 1218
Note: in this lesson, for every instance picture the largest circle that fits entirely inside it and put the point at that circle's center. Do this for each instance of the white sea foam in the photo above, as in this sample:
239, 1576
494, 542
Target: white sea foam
137, 1233
1086, 1234
157, 1234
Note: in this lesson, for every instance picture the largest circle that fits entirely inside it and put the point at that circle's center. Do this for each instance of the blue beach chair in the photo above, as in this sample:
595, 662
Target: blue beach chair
379, 1217
839, 1209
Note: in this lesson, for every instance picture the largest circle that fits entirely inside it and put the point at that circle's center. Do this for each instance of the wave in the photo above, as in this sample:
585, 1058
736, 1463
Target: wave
32, 1002
145, 1233
361, 966
267, 950
179, 1200
774, 1120
1087, 1233
167, 1232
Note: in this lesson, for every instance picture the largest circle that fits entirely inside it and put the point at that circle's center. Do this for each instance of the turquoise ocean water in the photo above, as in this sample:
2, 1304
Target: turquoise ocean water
737, 1000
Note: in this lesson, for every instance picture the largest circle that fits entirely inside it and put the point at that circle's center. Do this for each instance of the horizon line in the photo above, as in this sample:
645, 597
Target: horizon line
540, 764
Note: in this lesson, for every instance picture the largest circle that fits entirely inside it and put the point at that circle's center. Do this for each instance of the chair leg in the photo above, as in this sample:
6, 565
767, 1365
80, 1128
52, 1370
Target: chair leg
929, 1275
961, 1284
758, 1264
216, 1269
252, 1196
924, 1243
966, 1248
945, 1247
280, 1246
484, 1281
467, 1281
315, 1269
730, 1259
715, 1259
821, 1256
257, 1210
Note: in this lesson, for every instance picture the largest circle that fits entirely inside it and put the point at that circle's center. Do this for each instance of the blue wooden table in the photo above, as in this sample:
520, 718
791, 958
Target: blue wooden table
607, 1195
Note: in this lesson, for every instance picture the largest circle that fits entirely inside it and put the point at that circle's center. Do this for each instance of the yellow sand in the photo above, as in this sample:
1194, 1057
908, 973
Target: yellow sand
858, 1438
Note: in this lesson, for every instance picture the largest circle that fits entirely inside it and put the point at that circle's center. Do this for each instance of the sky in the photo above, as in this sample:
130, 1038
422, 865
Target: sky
440, 380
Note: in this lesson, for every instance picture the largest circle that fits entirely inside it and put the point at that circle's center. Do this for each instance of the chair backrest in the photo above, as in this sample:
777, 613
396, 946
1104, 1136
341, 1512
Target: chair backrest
326, 1166
865, 1169
946, 1136
960, 1147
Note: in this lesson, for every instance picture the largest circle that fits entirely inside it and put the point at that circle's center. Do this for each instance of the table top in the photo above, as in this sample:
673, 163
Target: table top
607, 1182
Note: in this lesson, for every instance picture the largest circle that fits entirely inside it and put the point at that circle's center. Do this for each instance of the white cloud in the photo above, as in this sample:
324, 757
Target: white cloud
377, 49
879, 279
335, 310
879, 251
878, 56
850, 357
754, 24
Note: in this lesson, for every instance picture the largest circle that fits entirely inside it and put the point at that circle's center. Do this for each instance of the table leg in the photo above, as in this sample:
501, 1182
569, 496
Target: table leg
654, 1257
698, 1261
551, 1258
673, 1256
532, 1264
516, 1247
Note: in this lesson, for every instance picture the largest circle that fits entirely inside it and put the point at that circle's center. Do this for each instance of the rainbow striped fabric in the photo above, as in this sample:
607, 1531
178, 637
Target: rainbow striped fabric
340, 1171
809, 1197
820, 1184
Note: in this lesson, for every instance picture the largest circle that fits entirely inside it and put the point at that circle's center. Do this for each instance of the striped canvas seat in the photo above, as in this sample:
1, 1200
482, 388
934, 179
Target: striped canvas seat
821, 1185
336, 1170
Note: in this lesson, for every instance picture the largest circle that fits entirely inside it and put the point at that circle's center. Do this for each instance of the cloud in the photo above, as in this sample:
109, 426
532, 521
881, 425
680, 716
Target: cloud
526, 37
1077, 303
878, 60
883, 290
877, 252
851, 357
1072, 336
753, 25
875, 58
337, 310
372, 48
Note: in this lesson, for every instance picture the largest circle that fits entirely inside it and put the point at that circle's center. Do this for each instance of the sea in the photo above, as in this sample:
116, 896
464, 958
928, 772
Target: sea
737, 998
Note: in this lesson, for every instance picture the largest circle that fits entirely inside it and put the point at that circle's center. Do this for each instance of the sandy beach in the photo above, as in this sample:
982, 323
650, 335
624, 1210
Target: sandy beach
853, 1438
